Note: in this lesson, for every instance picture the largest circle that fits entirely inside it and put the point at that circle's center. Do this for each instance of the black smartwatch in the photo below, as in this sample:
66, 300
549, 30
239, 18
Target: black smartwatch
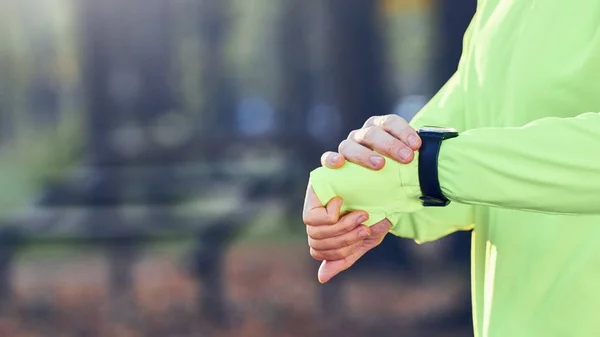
432, 138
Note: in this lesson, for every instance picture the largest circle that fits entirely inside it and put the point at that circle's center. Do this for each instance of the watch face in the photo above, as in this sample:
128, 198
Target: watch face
437, 129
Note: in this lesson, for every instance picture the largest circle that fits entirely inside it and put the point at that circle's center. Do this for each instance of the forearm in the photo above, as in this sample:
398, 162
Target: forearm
429, 224
432, 223
551, 165
446, 109
379, 193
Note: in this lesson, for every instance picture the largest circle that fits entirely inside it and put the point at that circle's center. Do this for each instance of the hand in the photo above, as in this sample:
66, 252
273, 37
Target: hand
328, 233
338, 240
389, 135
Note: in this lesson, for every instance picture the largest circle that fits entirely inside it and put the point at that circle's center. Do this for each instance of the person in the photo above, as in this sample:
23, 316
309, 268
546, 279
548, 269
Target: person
523, 173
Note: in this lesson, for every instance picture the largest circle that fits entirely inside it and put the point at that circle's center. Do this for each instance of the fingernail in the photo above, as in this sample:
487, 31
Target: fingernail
363, 234
376, 161
405, 153
412, 140
333, 158
362, 219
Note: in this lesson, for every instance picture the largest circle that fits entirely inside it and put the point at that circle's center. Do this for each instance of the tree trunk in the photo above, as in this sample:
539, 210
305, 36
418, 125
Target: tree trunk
126, 82
453, 19
218, 89
356, 60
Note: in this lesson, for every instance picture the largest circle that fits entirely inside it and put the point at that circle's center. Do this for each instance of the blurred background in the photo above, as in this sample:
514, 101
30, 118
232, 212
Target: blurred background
154, 156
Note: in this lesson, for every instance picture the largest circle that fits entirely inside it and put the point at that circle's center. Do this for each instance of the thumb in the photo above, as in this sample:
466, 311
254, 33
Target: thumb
334, 207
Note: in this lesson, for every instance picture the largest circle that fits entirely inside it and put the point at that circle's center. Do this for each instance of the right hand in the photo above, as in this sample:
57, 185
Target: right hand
389, 135
339, 240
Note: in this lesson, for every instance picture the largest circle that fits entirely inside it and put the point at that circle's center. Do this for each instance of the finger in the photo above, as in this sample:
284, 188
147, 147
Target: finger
346, 224
370, 122
331, 268
361, 155
332, 160
315, 214
399, 128
340, 241
335, 254
381, 228
378, 139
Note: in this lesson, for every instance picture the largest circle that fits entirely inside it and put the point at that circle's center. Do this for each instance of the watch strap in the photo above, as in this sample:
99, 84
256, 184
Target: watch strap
432, 195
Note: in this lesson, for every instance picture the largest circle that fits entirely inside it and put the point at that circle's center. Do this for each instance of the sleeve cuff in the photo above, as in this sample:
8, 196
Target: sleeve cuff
409, 177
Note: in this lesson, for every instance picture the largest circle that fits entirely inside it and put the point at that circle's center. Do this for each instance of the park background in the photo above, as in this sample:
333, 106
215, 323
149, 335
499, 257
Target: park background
154, 156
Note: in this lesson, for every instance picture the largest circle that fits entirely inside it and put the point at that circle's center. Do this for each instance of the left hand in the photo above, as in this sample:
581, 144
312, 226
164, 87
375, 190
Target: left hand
390, 135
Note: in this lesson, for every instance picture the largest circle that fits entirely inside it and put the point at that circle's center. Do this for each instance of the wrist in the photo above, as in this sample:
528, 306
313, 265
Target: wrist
394, 189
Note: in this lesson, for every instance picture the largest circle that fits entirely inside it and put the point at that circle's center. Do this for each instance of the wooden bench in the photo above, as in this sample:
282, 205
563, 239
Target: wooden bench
122, 207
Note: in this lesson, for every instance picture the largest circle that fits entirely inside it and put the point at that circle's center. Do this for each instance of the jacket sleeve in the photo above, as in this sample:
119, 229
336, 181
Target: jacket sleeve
393, 192
446, 109
550, 166
428, 224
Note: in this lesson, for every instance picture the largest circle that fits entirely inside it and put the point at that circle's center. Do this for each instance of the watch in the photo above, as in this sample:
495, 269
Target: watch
432, 138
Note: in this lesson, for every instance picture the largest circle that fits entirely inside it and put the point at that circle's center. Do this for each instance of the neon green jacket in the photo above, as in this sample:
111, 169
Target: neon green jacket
525, 172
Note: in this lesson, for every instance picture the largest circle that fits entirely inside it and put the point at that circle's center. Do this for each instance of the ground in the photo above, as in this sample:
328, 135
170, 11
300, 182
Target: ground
272, 289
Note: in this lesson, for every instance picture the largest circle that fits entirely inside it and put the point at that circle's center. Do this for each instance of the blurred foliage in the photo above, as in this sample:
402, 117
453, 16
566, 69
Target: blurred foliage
240, 41
39, 44
196, 121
